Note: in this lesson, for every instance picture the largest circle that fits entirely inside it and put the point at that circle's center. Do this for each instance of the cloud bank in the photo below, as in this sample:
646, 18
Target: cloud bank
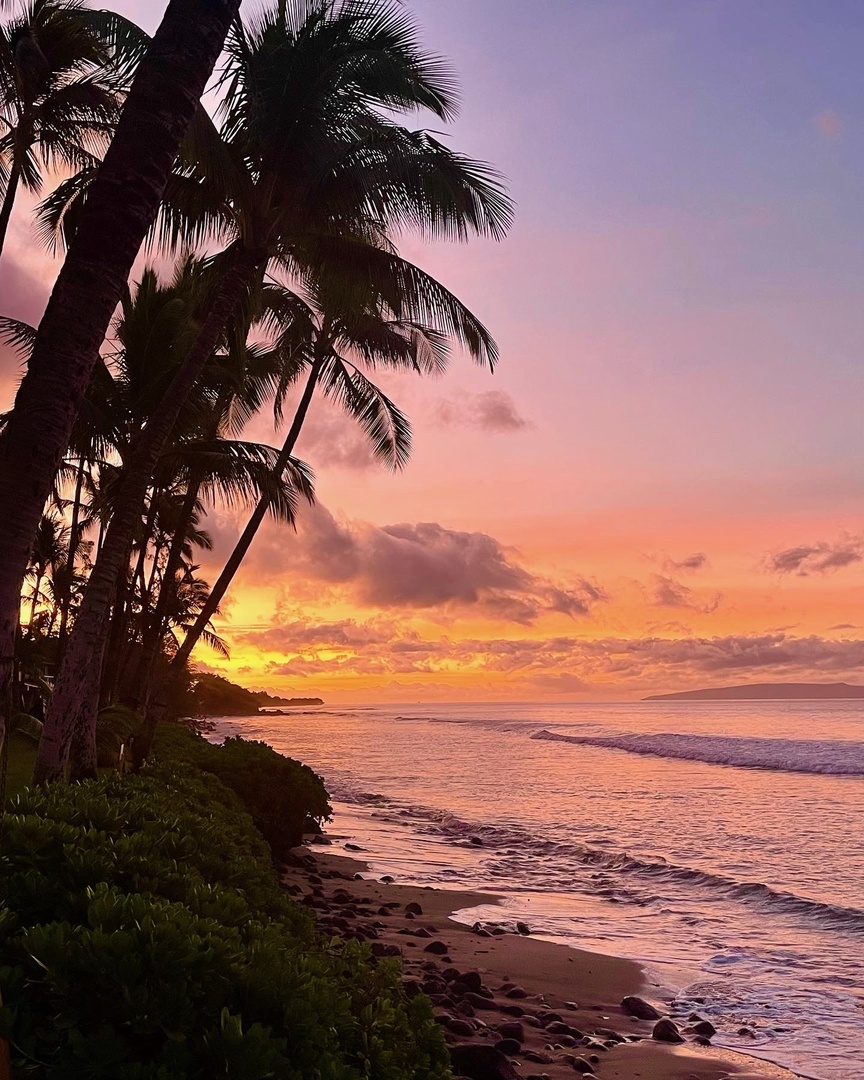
423, 566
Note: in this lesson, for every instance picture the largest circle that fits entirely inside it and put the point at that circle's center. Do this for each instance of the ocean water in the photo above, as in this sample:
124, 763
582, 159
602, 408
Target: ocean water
724, 839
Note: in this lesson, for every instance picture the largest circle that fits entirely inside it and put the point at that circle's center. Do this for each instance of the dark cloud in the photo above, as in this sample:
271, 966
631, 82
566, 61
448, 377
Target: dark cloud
666, 592
490, 411
421, 566
341, 633
689, 564
776, 653
818, 558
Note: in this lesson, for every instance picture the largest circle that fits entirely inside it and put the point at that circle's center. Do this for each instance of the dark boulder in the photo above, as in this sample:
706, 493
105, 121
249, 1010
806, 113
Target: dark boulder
480, 1061
640, 1008
508, 1046
436, 947
666, 1031
513, 1010
479, 1001
470, 980
704, 1028
512, 1029
539, 1057
379, 948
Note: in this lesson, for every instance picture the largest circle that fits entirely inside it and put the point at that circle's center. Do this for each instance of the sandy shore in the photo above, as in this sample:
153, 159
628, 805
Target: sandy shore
560, 1007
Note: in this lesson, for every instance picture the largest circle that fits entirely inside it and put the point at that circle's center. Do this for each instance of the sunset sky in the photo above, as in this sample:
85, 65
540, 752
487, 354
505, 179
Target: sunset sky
661, 487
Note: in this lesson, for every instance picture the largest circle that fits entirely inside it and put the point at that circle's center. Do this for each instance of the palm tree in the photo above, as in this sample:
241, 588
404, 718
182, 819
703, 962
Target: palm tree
121, 207
398, 317
48, 554
63, 70
152, 333
292, 171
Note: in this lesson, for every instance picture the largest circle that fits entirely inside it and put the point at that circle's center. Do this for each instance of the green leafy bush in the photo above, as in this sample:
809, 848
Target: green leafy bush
285, 798
144, 935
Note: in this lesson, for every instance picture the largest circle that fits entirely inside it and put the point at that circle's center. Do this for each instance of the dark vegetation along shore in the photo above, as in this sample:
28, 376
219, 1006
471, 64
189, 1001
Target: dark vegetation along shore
144, 934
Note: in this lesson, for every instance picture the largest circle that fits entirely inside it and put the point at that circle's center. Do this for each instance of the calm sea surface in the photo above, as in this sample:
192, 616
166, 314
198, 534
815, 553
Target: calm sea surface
726, 839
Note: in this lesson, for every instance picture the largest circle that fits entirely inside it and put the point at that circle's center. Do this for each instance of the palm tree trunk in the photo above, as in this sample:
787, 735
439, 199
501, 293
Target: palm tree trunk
9, 201
36, 587
152, 639
113, 648
121, 206
158, 707
74, 541
76, 692
140, 575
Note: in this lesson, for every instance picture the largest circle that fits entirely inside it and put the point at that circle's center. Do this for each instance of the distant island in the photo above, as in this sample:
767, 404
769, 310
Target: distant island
765, 691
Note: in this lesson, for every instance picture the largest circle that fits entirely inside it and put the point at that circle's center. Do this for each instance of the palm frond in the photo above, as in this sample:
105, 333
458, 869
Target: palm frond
18, 335
386, 427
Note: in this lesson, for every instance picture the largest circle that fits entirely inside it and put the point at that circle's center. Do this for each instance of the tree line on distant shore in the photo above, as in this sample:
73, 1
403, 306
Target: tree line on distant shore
278, 212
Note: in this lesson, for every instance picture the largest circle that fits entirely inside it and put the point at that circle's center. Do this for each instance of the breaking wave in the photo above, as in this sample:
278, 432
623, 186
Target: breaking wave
837, 758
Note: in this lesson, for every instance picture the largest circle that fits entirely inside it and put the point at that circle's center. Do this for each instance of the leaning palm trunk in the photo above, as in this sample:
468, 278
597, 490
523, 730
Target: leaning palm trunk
9, 202
71, 554
121, 207
75, 703
157, 708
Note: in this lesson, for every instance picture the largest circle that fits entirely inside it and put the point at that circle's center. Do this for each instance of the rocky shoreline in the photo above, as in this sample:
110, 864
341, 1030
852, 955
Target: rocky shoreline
513, 1007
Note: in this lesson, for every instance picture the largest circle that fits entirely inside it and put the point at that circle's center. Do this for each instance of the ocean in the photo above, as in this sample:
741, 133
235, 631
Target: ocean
719, 843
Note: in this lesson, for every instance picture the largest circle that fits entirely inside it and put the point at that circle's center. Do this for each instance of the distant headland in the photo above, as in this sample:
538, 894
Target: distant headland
268, 699
214, 695
765, 691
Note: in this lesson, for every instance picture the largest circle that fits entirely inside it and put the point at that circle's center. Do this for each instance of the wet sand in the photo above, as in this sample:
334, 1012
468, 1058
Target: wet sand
565, 1003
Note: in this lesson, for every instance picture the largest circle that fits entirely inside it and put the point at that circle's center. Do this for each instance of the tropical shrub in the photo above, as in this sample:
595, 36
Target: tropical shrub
284, 797
143, 934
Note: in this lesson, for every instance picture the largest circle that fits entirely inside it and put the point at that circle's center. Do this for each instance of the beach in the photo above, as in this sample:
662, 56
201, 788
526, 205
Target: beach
562, 1004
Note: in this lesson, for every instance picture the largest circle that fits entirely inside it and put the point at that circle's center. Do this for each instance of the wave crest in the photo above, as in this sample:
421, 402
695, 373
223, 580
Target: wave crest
832, 758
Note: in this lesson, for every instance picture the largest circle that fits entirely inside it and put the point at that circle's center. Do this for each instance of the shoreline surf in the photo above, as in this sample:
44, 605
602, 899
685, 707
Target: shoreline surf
582, 987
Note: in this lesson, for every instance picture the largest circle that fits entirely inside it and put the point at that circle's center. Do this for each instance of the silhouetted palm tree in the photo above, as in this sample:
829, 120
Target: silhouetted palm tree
63, 70
120, 209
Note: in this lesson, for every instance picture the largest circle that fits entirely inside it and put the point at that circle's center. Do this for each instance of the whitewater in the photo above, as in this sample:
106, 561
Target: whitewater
718, 843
